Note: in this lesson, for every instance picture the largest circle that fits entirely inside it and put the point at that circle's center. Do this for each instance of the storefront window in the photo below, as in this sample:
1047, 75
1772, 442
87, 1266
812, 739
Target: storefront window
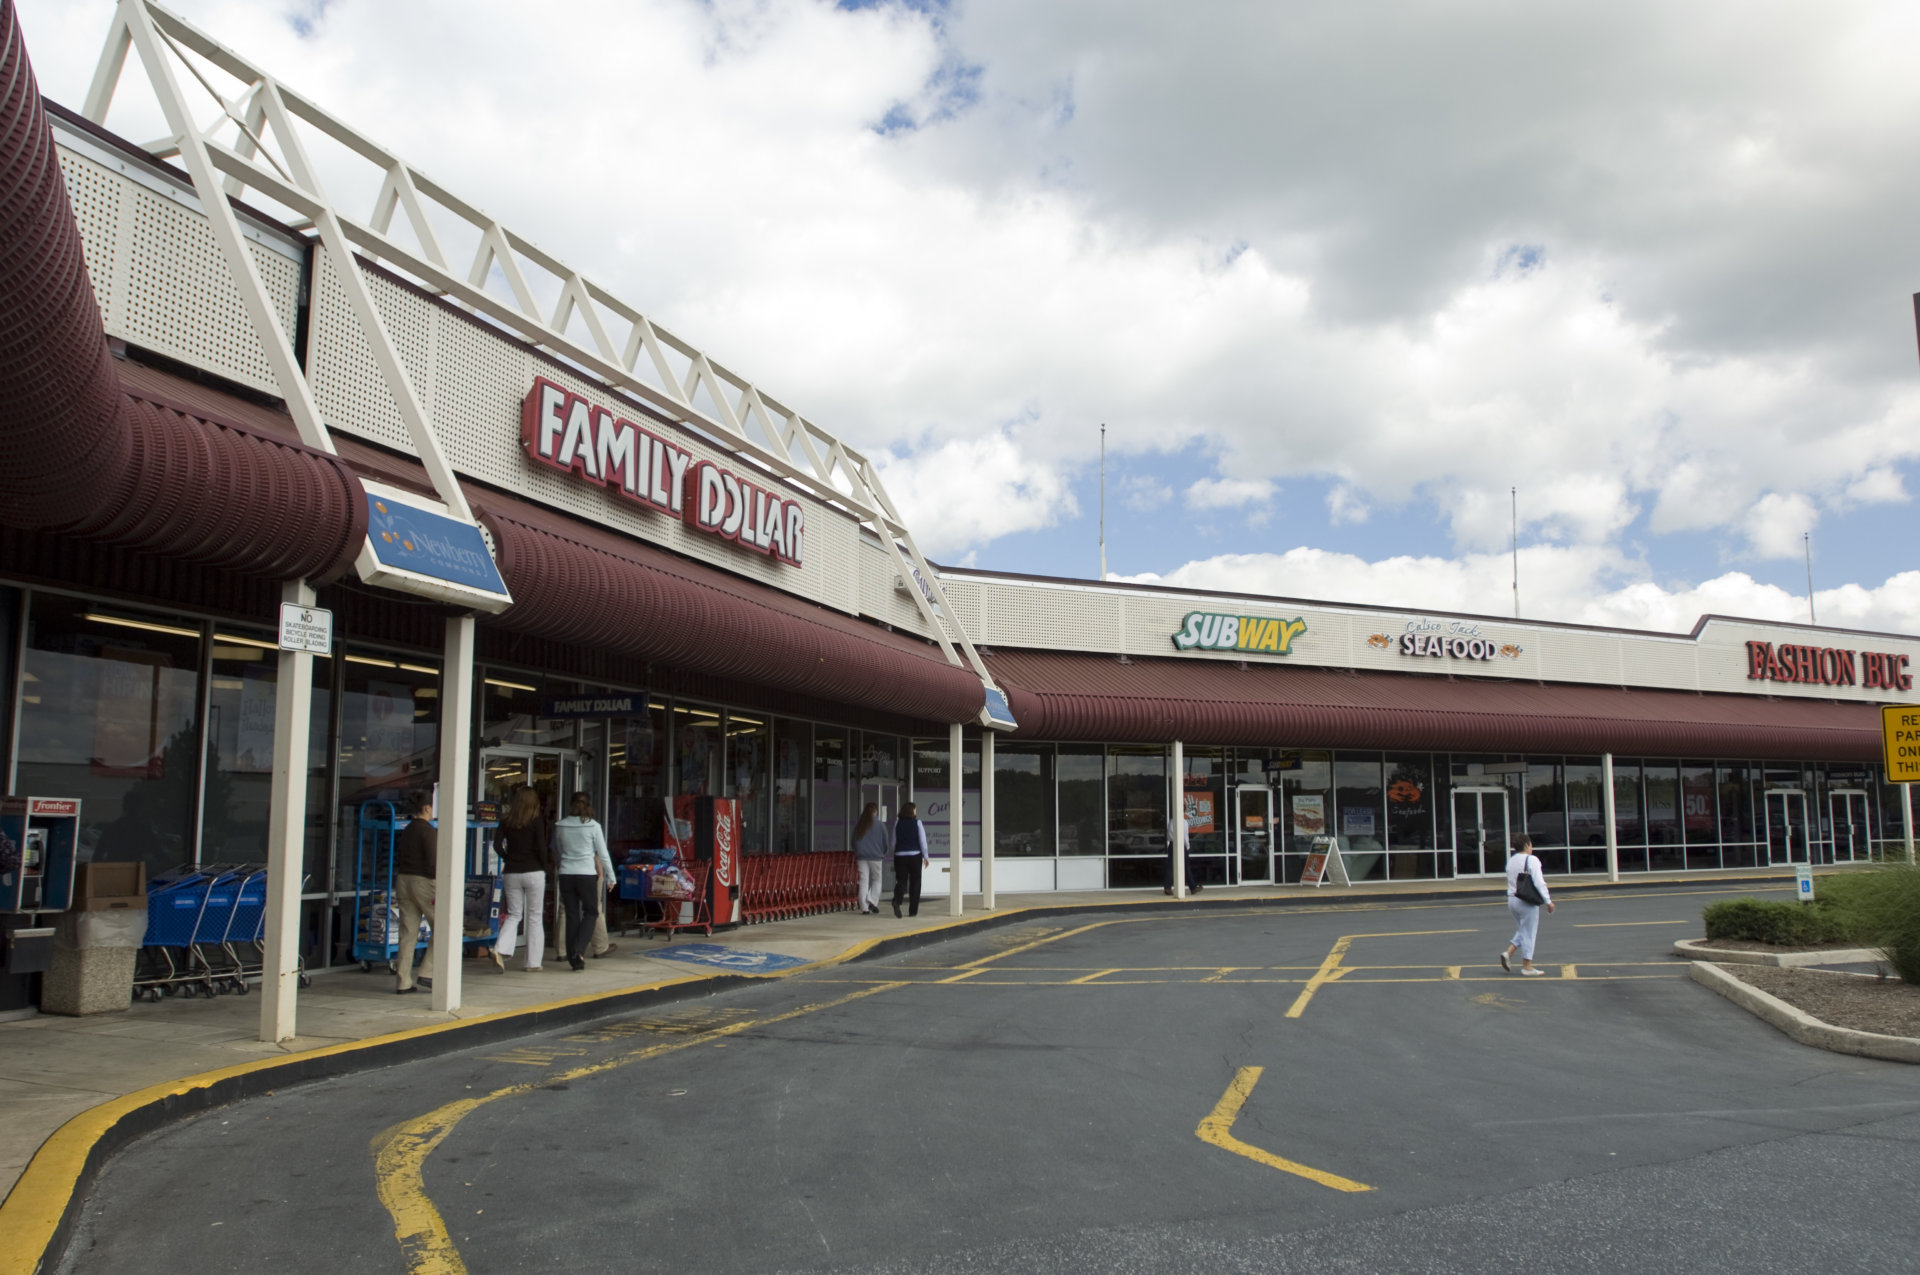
696, 751
1586, 817
1361, 799
108, 708
1136, 815
1631, 832
1410, 815
1306, 782
241, 700
1739, 840
1662, 786
1083, 799
510, 704
1546, 806
749, 758
637, 780
792, 785
1698, 822
830, 822
882, 758
930, 778
1022, 799
1206, 810
389, 746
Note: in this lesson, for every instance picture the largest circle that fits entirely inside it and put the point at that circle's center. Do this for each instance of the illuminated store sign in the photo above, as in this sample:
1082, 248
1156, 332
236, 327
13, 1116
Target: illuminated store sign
563, 430
1448, 639
1206, 631
1827, 666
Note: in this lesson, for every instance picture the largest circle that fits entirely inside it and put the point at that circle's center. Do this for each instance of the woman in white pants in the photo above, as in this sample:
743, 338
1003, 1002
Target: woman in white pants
872, 847
1526, 916
526, 853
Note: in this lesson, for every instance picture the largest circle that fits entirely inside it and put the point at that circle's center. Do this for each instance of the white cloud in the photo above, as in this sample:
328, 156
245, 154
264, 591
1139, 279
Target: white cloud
1143, 495
1424, 254
1581, 585
1228, 493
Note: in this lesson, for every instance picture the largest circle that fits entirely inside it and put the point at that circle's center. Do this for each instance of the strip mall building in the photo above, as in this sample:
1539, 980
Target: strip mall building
562, 547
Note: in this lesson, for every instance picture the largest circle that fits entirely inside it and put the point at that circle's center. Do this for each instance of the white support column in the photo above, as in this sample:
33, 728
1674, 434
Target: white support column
1177, 817
286, 833
450, 859
1906, 817
956, 825
986, 820
1606, 812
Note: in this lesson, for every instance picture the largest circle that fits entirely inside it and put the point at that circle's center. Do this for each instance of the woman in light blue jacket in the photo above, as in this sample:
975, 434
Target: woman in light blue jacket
585, 873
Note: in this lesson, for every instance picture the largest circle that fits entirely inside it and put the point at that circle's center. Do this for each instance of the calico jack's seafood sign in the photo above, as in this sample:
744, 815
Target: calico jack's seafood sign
561, 429
1207, 631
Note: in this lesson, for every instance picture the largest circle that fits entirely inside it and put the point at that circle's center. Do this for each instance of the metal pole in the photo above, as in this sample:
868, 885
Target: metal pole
956, 826
1806, 542
986, 820
1606, 812
286, 837
1177, 792
450, 858
1906, 817
1513, 494
1103, 503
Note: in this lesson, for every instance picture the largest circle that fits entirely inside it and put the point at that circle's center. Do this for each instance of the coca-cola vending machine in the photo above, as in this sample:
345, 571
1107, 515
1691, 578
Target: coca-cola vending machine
716, 846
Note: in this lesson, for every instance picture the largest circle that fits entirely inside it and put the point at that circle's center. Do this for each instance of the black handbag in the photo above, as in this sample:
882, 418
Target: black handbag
1524, 889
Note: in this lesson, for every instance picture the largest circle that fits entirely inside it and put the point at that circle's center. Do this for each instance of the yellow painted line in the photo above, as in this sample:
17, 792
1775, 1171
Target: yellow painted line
400, 1152
962, 975
1569, 971
1050, 938
1622, 925
1077, 982
1330, 968
1453, 972
1217, 1130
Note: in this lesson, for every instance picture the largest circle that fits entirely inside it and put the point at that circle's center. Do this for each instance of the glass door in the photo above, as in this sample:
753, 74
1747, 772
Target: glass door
1481, 833
1787, 826
1852, 835
884, 792
554, 775
1253, 829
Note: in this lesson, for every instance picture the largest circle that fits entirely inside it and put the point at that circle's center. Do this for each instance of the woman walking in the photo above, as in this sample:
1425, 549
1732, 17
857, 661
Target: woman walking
909, 857
871, 846
1526, 895
586, 872
526, 855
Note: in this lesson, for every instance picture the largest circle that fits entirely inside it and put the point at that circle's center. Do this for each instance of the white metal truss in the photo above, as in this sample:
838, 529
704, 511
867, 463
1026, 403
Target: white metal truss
265, 154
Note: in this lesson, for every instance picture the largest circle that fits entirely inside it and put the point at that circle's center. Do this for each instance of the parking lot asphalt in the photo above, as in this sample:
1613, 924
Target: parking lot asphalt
1351, 1088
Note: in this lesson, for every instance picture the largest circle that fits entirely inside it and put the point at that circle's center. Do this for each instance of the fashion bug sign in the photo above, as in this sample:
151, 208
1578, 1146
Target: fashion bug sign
564, 431
1208, 631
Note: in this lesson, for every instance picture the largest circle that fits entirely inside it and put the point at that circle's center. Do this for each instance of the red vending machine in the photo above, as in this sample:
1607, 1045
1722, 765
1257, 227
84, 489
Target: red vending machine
716, 846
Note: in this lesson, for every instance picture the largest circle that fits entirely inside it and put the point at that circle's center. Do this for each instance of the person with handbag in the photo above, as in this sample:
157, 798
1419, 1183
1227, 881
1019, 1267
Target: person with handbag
1526, 895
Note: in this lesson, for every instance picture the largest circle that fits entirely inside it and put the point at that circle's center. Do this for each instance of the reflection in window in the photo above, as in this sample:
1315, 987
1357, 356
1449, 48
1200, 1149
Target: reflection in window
830, 822
792, 784
389, 738
1136, 815
696, 751
108, 702
510, 703
241, 702
1022, 799
1410, 815
1546, 804
1626, 815
1586, 820
749, 758
1362, 798
1083, 799
637, 780
1661, 782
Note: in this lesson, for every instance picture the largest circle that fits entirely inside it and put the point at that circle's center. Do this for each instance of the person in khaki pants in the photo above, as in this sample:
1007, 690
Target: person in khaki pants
413, 888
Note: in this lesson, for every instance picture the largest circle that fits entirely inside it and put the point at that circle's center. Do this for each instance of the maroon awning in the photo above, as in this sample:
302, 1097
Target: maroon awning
1067, 696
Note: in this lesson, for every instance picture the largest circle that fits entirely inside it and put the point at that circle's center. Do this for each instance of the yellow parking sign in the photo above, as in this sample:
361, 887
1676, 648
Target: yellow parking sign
1900, 737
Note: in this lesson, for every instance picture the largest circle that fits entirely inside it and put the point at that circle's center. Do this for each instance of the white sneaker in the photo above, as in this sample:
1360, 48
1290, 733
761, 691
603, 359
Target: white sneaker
1534, 973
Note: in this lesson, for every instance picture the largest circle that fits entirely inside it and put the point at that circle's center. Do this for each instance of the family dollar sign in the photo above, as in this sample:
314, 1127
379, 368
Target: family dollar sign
1900, 736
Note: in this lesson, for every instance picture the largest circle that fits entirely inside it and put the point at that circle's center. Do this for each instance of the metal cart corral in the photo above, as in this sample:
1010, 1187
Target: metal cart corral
376, 940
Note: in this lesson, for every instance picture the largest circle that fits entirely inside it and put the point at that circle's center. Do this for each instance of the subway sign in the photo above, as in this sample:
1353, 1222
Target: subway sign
562, 430
1208, 631
1827, 666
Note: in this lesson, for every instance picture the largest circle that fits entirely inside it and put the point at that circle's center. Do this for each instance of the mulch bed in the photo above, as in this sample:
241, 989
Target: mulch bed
1886, 1006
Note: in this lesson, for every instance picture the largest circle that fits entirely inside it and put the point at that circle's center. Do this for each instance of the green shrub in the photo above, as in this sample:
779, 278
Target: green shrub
1883, 910
1772, 921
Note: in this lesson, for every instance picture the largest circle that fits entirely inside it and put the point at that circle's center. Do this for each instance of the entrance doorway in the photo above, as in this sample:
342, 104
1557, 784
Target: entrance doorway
1787, 826
1481, 833
1852, 833
1253, 830
886, 793
553, 774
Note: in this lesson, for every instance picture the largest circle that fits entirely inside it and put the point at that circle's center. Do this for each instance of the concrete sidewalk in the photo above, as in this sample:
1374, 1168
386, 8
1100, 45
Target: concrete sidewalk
54, 1068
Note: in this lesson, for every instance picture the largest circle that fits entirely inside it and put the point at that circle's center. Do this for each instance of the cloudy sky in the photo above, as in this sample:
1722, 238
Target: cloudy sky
1336, 278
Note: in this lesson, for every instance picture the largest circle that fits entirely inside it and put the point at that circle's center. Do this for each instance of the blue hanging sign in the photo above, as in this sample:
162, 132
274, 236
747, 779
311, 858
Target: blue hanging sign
997, 712
420, 551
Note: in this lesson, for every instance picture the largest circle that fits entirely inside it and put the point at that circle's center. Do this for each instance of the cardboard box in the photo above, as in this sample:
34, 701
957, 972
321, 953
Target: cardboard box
110, 887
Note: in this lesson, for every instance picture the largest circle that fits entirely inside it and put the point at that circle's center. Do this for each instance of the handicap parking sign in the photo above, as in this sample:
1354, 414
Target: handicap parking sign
739, 959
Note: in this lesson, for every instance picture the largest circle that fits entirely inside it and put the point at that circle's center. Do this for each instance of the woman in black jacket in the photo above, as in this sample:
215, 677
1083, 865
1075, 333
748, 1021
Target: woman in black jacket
526, 851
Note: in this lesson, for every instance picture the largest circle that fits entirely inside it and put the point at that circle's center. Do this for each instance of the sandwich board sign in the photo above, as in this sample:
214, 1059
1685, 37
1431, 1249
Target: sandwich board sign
1324, 861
